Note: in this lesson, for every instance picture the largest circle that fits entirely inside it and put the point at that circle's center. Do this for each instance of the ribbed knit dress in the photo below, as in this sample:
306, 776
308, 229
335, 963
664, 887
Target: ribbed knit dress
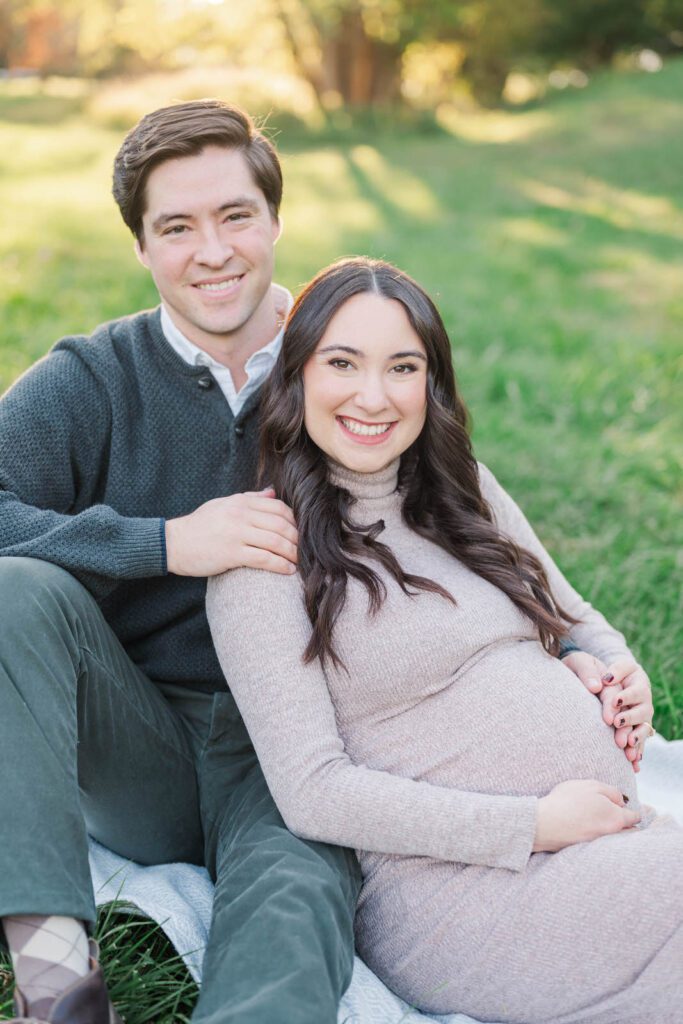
428, 756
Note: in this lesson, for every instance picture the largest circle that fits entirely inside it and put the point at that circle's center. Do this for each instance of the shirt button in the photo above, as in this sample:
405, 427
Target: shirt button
205, 382
239, 431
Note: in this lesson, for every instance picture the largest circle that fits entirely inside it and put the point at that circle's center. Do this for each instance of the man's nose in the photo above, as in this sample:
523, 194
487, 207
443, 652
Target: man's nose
213, 249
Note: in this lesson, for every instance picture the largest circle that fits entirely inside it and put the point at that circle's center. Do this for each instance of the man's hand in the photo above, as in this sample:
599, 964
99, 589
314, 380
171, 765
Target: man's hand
253, 529
579, 811
609, 683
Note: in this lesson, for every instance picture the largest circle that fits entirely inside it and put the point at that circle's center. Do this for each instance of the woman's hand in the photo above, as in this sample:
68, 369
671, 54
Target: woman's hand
577, 812
609, 684
627, 705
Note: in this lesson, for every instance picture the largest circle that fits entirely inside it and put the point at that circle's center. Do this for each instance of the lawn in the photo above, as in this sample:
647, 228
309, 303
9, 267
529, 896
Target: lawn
551, 240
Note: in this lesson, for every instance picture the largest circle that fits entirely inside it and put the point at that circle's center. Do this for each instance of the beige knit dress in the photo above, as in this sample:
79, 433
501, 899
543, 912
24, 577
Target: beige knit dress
428, 759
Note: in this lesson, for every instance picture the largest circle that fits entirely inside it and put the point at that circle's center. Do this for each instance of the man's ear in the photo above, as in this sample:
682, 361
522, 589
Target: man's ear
140, 253
277, 229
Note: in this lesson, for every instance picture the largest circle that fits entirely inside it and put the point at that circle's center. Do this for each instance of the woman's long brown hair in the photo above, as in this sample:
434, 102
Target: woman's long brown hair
438, 476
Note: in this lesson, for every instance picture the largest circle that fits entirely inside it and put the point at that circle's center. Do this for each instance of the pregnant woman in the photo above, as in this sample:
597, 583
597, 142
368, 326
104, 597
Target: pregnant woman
402, 695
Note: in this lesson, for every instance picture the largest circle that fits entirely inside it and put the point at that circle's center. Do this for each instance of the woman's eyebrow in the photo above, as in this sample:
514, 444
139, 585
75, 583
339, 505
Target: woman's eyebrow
341, 348
409, 353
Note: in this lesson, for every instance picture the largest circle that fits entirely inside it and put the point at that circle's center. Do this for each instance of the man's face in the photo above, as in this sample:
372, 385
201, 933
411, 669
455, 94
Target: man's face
208, 239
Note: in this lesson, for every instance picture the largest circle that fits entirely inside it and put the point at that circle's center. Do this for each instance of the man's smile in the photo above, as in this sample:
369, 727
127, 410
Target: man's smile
222, 284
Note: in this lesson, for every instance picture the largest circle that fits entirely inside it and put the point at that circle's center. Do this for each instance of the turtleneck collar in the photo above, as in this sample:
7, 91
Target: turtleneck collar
366, 486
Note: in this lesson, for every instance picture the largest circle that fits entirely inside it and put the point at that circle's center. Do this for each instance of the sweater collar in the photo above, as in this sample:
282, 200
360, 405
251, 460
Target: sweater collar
365, 486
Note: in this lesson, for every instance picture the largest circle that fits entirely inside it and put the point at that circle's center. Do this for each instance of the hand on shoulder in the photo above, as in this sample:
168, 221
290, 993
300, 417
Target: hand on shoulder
253, 529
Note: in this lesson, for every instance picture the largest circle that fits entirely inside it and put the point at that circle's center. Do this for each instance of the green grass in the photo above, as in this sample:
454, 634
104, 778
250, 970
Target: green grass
146, 979
551, 239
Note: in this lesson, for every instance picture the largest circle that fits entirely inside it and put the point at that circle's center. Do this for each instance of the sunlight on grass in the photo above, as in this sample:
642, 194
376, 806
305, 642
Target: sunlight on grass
622, 208
499, 127
640, 279
532, 232
403, 190
323, 202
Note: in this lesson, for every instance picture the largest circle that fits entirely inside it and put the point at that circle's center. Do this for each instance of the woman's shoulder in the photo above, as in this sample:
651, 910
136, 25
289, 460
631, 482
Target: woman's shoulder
242, 590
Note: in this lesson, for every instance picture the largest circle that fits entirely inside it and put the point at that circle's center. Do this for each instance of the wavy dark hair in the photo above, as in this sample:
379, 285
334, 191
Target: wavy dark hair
438, 475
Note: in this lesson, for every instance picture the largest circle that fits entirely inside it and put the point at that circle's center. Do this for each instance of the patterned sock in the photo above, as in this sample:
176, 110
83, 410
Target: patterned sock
48, 955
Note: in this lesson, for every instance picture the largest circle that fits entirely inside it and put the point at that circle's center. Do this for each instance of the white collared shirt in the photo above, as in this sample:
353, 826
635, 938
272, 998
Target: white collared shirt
257, 367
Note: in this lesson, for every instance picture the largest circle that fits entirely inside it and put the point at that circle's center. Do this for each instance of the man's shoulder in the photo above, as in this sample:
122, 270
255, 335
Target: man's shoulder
114, 339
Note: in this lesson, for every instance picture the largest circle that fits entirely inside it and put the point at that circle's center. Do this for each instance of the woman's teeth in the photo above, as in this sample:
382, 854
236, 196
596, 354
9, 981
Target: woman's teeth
367, 429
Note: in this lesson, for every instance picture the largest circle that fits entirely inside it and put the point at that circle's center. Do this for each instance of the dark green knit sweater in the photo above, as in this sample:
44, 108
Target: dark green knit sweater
102, 440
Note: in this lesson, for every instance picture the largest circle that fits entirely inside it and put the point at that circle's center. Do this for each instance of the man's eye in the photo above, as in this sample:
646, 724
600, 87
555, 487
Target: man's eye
233, 218
177, 229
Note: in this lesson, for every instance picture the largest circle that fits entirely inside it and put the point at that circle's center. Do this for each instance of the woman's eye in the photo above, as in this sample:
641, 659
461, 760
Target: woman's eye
404, 368
340, 364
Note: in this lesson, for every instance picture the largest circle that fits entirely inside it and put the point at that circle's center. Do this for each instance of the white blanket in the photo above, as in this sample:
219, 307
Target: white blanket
178, 897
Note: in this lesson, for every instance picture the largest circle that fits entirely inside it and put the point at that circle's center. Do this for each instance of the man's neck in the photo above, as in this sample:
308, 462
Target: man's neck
233, 351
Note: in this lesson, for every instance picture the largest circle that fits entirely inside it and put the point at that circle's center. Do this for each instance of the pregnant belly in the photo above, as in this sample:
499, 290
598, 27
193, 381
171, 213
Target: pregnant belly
514, 722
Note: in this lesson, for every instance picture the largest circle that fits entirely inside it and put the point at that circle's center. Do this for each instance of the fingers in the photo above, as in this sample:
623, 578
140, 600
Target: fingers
261, 558
639, 734
638, 715
265, 501
274, 524
588, 669
612, 793
270, 541
612, 701
621, 668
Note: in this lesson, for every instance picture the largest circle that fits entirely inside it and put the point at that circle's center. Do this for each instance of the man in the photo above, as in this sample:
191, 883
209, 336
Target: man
127, 468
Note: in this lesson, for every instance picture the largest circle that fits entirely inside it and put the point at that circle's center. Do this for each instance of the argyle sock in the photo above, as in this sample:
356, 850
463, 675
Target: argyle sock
48, 955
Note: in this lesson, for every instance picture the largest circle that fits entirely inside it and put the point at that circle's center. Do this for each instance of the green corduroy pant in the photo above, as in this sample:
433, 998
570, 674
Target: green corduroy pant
157, 773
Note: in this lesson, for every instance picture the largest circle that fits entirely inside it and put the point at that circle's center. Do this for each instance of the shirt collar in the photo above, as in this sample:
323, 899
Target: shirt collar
196, 356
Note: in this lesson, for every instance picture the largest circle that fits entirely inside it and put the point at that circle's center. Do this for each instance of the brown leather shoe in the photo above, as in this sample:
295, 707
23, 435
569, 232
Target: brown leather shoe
84, 1002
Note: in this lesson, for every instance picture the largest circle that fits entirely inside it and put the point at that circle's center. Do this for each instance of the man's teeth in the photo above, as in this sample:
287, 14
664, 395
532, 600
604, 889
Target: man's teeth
220, 286
367, 429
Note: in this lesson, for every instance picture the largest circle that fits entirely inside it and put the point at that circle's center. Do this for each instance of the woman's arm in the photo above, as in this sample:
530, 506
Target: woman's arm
593, 633
260, 629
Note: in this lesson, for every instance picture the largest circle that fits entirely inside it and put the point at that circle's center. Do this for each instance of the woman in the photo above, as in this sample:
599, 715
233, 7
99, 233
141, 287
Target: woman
402, 695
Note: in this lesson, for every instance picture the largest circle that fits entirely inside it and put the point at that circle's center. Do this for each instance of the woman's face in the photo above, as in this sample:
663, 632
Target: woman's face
365, 386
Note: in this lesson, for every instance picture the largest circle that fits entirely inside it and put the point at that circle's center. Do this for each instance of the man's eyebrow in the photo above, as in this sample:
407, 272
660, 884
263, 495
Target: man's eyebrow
409, 353
239, 202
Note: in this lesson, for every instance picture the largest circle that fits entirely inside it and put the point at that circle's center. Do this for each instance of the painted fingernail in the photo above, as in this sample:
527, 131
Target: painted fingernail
622, 720
625, 798
619, 702
608, 677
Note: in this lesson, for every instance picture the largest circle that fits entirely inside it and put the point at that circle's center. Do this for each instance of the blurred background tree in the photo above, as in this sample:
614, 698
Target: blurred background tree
349, 53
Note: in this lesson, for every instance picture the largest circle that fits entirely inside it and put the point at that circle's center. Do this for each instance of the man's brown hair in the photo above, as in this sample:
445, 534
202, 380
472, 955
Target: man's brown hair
184, 129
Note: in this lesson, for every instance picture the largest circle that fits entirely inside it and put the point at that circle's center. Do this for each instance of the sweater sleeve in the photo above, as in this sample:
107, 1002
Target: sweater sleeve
592, 633
54, 430
260, 629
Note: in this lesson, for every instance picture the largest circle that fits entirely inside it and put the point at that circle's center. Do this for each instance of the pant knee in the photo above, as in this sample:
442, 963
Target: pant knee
31, 588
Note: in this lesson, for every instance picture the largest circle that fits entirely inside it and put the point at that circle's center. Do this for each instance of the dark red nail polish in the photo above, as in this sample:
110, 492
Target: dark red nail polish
625, 798
608, 677
622, 721
619, 702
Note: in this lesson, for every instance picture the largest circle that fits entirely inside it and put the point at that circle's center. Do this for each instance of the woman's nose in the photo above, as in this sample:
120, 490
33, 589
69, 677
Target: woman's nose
371, 395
